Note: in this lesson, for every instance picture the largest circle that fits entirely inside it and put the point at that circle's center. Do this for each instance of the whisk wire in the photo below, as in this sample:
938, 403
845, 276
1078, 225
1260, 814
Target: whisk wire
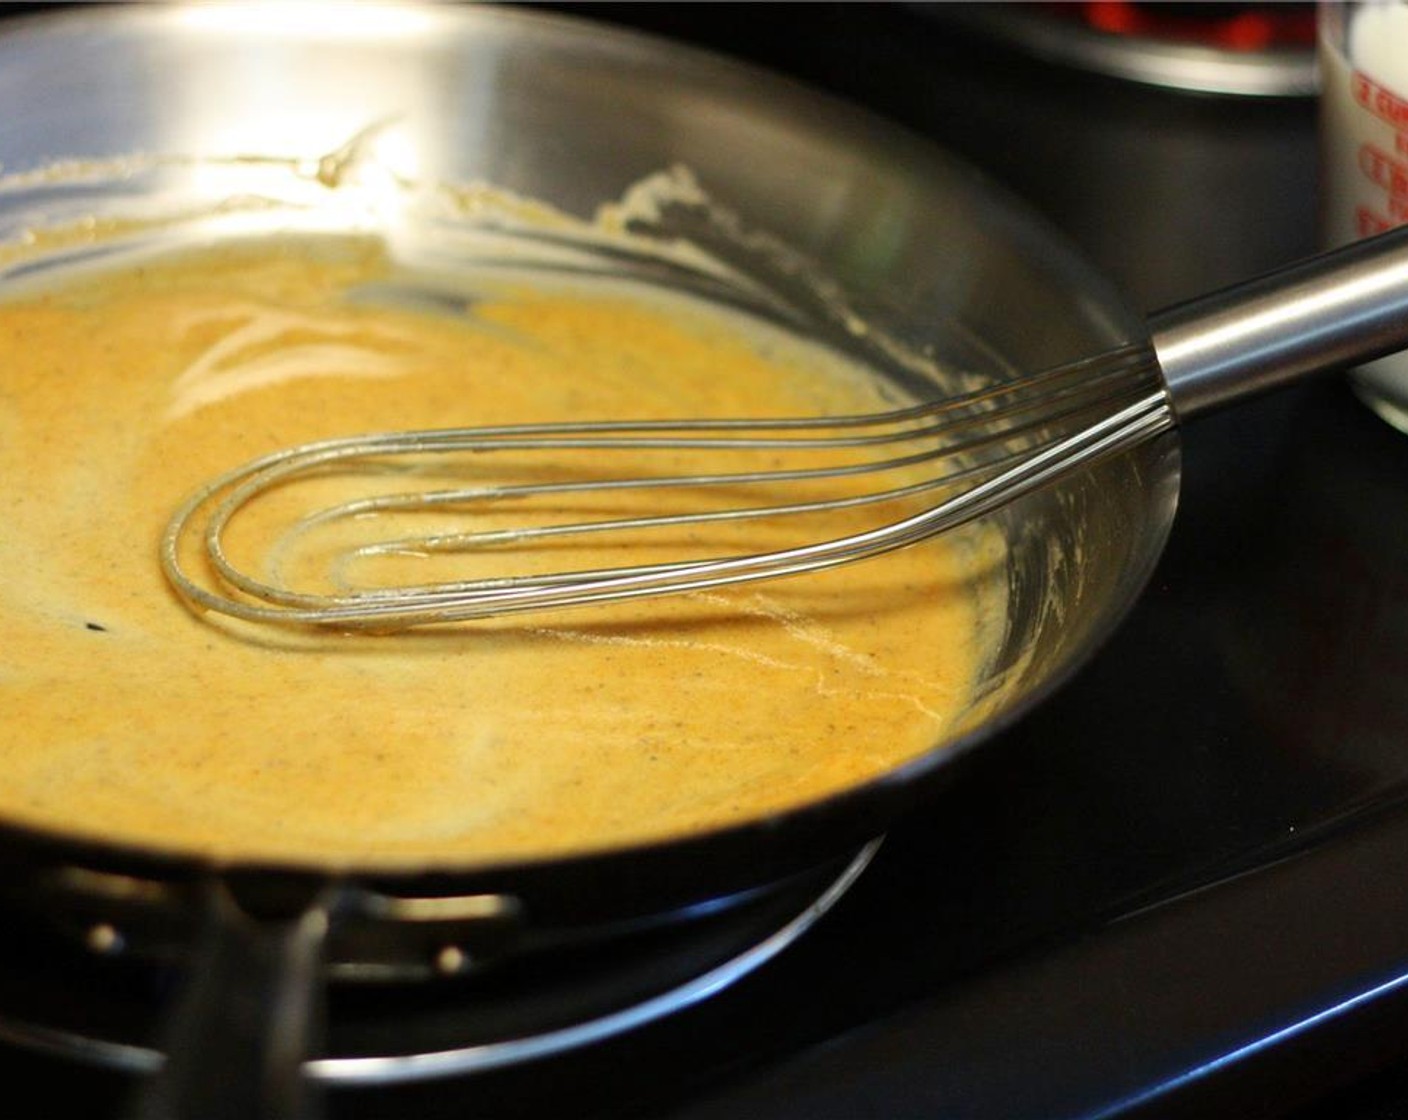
995, 442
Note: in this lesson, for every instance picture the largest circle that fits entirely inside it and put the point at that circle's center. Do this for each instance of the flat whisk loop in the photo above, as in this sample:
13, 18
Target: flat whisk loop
952, 460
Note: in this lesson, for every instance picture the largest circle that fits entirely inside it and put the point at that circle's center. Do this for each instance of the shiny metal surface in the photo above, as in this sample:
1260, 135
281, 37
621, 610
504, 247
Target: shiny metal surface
155, 100
250, 1012
921, 246
974, 452
1330, 312
981, 450
1267, 72
1172, 760
116, 1049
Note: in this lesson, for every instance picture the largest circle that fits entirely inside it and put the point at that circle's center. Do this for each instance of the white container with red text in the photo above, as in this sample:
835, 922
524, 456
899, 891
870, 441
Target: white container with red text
1364, 152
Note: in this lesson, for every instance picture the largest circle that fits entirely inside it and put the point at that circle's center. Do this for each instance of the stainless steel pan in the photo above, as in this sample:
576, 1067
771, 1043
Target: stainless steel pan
569, 113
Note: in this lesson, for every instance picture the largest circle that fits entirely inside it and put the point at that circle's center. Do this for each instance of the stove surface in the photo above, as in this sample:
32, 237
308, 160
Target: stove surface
1179, 887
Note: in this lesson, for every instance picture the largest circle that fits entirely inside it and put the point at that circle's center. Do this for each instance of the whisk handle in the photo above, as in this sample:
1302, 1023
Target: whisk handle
1329, 312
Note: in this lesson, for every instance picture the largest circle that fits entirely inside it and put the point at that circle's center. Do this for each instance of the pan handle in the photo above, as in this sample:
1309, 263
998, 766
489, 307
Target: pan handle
251, 1009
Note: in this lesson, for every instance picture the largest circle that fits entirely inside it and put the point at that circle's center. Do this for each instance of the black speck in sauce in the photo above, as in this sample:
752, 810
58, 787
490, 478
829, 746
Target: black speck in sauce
98, 626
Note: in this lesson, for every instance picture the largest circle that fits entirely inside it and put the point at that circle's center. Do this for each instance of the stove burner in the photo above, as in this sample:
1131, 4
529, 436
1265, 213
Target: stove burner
107, 1012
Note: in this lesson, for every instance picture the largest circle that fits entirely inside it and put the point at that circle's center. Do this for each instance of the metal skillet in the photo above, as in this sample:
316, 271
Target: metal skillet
557, 110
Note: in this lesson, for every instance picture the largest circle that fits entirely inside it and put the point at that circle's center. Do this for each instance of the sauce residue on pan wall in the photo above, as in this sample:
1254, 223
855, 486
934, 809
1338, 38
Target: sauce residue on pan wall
129, 718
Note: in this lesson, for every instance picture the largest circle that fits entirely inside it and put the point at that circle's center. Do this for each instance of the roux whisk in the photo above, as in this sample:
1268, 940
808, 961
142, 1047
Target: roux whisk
979, 451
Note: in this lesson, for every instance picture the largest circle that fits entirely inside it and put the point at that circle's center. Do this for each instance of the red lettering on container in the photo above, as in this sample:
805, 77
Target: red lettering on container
1361, 88
1367, 223
1379, 101
1383, 170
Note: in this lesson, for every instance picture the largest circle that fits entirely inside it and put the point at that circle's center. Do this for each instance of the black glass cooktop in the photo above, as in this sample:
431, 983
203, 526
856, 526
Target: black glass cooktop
1178, 888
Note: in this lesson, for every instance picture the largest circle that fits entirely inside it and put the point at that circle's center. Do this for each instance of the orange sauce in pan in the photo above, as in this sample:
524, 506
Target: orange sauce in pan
130, 718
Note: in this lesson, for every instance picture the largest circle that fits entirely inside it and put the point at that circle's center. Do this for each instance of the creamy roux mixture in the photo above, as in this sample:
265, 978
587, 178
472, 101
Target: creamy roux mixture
129, 717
